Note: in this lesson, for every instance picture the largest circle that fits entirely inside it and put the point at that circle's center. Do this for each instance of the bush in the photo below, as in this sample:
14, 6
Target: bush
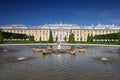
50, 38
118, 38
1, 36
71, 38
31, 38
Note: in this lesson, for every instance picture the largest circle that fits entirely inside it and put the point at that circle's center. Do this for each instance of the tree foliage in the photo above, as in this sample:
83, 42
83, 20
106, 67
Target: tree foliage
50, 38
31, 38
106, 36
40, 38
81, 38
112, 36
71, 38
1, 36
8, 35
90, 38
118, 38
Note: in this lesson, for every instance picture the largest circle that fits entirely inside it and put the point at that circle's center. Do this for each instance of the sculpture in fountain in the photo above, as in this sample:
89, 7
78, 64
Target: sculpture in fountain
59, 49
59, 45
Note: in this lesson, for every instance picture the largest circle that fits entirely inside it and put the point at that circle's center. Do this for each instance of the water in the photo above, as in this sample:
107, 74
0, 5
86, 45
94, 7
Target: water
21, 63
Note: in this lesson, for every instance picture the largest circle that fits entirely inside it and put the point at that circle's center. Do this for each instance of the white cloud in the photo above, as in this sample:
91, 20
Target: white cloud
105, 13
117, 21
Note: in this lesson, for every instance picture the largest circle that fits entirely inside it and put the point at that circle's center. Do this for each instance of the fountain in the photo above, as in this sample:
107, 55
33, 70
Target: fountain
21, 58
59, 49
104, 59
36, 50
59, 45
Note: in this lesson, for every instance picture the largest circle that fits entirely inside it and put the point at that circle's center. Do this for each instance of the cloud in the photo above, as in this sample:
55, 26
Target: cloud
116, 21
111, 16
109, 13
105, 13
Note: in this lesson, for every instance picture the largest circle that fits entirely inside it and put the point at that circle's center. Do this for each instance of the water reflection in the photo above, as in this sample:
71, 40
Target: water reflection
59, 57
45, 55
104, 60
21, 63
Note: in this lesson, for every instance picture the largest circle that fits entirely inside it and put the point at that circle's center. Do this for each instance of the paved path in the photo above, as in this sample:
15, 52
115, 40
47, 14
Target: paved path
61, 44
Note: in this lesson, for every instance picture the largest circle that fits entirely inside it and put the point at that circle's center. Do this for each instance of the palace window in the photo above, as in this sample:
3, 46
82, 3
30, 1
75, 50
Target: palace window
36, 38
106, 31
84, 39
102, 32
36, 34
43, 32
46, 32
32, 34
84, 34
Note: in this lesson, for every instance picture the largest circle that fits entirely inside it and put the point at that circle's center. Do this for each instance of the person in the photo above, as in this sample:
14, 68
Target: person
59, 46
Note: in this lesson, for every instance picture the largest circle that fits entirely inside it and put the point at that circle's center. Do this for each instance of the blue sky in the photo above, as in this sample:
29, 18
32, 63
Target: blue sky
39, 12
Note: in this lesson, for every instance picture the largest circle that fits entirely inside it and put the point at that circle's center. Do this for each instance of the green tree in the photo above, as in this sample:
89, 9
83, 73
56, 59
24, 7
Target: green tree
88, 38
71, 38
31, 38
50, 38
9, 35
81, 38
40, 38
91, 38
119, 38
1, 36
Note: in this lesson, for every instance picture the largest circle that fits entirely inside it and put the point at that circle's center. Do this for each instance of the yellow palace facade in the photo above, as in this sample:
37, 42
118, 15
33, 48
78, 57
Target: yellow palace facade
61, 31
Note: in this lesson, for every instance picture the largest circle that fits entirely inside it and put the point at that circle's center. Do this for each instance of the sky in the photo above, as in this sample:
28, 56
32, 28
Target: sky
40, 12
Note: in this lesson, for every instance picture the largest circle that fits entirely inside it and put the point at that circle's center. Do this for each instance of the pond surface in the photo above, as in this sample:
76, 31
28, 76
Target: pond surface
97, 63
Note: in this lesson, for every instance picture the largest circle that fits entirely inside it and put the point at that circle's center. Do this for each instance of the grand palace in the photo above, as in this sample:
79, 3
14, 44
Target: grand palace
61, 31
